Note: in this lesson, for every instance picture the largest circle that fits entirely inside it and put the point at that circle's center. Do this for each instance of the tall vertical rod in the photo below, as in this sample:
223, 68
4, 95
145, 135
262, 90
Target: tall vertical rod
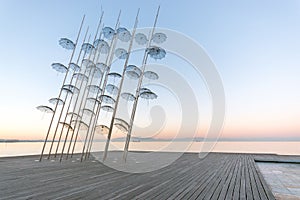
70, 143
112, 45
81, 100
138, 91
65, 100
114, 42
58, 122
120, 88
70, 104
47, 135
88, 91
76, 82
78, 98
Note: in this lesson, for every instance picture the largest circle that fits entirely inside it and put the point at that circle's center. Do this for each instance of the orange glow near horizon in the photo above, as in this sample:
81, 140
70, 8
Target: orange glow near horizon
230, 130
33, 127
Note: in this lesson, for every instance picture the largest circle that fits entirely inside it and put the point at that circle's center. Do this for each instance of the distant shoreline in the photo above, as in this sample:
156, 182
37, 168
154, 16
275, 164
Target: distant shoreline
177, 140
15, 141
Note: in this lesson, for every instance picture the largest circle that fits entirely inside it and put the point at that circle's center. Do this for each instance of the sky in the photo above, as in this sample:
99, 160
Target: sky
254, 45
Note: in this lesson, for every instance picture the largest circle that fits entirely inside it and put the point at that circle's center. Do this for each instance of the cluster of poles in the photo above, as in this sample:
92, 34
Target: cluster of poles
86, 90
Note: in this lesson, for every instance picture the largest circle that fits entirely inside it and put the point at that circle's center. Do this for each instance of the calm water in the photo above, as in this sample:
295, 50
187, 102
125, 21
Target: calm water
283, 148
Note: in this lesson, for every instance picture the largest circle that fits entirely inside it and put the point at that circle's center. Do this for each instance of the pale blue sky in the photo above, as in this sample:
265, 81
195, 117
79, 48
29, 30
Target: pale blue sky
255, 45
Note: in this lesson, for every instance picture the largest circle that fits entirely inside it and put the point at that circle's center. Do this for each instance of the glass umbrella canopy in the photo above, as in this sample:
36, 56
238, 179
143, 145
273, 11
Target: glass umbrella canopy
159, 38
108, 32
133, 72
66, 43
156, 52
141, 38
123, 34
151, 75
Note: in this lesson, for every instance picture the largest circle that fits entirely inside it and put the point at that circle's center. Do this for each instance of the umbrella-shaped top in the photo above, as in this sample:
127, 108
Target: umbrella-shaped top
73, 114
115, 75
107, 99
103, 67
112, 89
98, 73
55, 101
127, 96
101, 129
133, 72
123, 34
156, 52
82, 124
159, 38
74, 67
93, 100
88, 112
121, 53
45, 109
66, 125
59, 67
107, 108
141, 38
88, 63
95, 71
108, 32
143, 89
148, 95
121, 127
80, 76
101, 45
73, 88
87, 47
121, 121
66, 90
95, 89
151, 75
66, 43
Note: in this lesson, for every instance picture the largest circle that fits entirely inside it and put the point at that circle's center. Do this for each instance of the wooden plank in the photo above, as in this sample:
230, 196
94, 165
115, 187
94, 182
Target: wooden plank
200, 194
248, 188
260, 188
255, 192
243, 181
225, 177
219, 182
225, 187
218, 176
192, 173
237, 186
233, 181
264, 192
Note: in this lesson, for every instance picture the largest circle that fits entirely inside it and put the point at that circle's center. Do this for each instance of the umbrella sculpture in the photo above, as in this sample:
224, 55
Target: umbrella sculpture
63, 44
93, 121
141, 38
67, 43
89, 86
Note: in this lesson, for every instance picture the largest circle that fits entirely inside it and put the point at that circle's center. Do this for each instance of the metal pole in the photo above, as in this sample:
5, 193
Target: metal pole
113, 43
138, 91
80, 100
76, 82
86, 101
71, 101
47, 135
120, 88
70, 144
59, 120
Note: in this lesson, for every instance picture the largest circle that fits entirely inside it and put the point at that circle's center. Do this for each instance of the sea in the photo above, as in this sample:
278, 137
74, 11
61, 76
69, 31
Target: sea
11, 149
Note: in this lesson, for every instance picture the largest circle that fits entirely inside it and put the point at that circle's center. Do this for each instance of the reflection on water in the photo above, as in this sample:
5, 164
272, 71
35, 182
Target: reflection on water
283, 148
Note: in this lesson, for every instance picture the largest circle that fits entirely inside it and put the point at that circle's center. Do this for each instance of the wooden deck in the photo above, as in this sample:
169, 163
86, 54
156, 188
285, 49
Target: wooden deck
218, 176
